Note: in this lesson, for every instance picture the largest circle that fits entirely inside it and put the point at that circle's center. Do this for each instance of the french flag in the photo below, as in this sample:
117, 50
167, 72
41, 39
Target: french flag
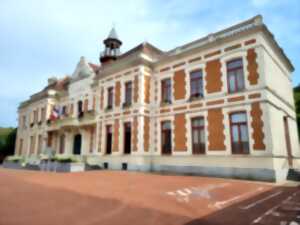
55, 113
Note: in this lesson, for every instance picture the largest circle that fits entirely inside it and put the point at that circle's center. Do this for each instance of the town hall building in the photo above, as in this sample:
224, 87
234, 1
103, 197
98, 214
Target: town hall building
221, 105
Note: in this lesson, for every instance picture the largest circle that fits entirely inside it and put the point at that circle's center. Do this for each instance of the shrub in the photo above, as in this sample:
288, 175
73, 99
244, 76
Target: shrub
64, 159
14, 158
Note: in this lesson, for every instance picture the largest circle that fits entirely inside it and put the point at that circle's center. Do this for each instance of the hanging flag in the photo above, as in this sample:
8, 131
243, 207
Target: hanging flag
55, 113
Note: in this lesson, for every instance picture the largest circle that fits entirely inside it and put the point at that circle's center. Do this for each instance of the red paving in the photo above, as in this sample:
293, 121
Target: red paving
115, 197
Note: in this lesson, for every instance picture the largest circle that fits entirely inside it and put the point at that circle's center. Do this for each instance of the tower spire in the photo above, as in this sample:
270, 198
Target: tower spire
112, 47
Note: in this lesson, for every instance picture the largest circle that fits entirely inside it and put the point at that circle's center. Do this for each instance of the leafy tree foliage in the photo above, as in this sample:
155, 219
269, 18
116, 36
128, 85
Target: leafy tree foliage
297, 104
7, 142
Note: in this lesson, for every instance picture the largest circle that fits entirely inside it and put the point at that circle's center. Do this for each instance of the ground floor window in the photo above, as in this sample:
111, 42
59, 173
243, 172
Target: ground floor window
166, 137
239, 133
32, 144
198, 135
77, 144
40, 143
108, 139
21, 146
62, 144
127, 138
49, 139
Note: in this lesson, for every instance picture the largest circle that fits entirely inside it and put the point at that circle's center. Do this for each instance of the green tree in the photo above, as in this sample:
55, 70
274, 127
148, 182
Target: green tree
297, 105
7, 142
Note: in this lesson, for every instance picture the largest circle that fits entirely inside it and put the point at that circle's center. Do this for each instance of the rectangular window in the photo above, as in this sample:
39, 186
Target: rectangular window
166, 138
128, 93
20, 146
198, 135
43, 114
235, 76
79, 109
32, 145
166, 91
40, 143
24, 122
64, 110
71, 109
127, 138
108, 139
110, 97
196, 83
35, 116
86, 105
239, 133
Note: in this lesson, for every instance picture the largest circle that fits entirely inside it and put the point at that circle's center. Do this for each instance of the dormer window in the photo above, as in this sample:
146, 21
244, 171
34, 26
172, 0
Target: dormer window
235, 76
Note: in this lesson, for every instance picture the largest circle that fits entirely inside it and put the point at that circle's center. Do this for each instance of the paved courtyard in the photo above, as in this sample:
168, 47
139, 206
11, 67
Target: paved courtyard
116, 197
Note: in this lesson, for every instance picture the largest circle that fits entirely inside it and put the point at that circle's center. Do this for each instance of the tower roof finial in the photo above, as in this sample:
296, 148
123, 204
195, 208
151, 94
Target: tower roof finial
113, 34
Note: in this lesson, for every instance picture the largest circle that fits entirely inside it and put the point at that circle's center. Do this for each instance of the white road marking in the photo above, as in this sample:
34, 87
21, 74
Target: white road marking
220, 204
184, 194
261, 200
272, 211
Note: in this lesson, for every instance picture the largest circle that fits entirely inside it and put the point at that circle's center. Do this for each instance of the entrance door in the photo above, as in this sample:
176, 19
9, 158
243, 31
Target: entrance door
77, 145
127, 138
108, 139
288, 141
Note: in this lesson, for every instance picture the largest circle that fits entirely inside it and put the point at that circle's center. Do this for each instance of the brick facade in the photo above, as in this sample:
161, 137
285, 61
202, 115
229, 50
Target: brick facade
213, 76
215, 129
257, 126
179, 85
180, 132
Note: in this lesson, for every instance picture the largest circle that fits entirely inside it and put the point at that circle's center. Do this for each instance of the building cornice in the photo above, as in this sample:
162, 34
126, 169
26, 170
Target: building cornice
251, 26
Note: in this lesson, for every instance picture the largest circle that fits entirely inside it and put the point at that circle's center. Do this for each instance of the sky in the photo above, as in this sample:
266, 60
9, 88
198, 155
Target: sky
40, 39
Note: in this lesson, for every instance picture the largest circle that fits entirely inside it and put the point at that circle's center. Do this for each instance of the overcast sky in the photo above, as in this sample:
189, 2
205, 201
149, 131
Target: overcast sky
40, 39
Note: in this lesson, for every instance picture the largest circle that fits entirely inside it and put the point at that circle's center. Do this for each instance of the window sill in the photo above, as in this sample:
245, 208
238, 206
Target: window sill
237, 92
108, 109
195, 98
165, 103
126, 105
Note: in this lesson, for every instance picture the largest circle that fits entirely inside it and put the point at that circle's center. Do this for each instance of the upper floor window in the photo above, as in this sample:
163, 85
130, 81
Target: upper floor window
239, 133
43, 113
128, 93
196, 83
198, 135
35, 116
24, 122
64, 110
166, 93
235, 75
85, 105
80, 109
110, 97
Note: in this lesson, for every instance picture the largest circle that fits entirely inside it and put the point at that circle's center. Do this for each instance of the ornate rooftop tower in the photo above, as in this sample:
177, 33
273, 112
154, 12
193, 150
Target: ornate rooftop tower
112, 47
